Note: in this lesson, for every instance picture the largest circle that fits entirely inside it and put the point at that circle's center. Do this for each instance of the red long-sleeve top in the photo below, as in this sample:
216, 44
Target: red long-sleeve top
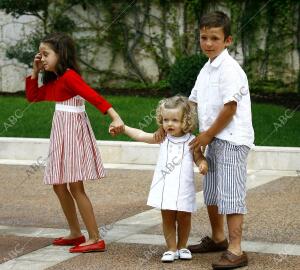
70, 84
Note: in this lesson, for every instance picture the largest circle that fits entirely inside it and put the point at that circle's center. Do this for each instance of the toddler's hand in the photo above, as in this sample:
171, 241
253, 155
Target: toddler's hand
203, 167
116, 127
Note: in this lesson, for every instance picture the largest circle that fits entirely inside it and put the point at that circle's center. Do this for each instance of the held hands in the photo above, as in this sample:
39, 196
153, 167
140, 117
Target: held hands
203, 166
116, 127
200, 161
202, 139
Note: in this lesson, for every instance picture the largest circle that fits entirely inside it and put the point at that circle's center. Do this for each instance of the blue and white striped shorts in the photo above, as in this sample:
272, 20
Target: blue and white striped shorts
225, 183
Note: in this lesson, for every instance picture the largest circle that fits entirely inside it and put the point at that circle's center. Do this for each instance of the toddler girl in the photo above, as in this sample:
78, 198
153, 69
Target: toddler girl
173, 188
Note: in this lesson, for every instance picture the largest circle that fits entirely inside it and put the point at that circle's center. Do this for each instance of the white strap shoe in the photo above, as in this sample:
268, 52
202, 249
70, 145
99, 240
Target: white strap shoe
185, 254
170, 256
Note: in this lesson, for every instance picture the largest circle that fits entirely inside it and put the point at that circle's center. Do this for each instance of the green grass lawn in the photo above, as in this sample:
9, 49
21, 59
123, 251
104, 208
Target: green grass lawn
274, 125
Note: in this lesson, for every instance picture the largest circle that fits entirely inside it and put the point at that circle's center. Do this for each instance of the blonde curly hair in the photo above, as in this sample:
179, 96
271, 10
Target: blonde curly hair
189, 115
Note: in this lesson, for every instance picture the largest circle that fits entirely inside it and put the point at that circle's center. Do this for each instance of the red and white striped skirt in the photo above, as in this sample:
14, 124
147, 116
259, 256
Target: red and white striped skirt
73, 153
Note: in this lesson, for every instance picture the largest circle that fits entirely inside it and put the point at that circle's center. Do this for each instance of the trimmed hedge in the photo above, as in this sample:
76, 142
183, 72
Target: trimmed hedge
184, 72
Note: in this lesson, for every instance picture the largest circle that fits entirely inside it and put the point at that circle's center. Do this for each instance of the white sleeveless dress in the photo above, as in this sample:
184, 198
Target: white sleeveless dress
173, 186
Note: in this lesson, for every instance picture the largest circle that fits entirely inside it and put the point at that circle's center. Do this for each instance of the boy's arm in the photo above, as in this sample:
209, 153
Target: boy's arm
139, 135
223, 119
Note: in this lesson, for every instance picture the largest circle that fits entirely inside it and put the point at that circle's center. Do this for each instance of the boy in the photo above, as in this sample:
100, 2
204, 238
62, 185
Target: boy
221, 94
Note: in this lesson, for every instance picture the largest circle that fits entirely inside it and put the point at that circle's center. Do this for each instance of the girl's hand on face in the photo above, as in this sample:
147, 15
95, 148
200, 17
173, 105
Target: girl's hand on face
37, 63
159, 135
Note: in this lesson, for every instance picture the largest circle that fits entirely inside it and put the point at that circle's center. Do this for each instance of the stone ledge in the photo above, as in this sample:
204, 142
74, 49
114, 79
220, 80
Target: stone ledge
20, 150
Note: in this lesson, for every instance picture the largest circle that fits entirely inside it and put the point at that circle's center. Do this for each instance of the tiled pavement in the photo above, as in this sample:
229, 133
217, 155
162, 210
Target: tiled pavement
30, 216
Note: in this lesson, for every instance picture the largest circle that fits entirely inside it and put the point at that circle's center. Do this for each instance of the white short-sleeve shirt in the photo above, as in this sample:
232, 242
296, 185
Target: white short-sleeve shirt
218, 83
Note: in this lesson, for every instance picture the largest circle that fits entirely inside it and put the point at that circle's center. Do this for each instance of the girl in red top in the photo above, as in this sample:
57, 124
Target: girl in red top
73, 154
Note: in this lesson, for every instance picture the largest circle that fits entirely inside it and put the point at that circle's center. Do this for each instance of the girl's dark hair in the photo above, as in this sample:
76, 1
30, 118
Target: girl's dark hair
216, 19
64, 46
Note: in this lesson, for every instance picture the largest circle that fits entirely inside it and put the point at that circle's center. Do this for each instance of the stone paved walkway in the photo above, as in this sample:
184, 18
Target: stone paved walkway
30, 217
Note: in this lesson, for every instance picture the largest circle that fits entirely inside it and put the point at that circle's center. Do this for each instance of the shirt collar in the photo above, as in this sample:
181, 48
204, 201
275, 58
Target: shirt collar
219, 59
181, 139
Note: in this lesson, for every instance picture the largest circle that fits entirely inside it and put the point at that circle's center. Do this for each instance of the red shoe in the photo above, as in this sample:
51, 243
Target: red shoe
69, 242
96, 247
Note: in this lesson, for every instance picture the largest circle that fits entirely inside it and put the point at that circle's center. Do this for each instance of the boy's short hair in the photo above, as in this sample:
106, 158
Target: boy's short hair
216, 19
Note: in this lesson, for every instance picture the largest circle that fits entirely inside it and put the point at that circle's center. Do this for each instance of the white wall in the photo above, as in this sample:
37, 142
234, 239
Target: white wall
12, 72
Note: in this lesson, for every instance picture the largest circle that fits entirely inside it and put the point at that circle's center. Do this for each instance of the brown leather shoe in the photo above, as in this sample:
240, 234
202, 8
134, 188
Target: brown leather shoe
231, 261
208, 245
